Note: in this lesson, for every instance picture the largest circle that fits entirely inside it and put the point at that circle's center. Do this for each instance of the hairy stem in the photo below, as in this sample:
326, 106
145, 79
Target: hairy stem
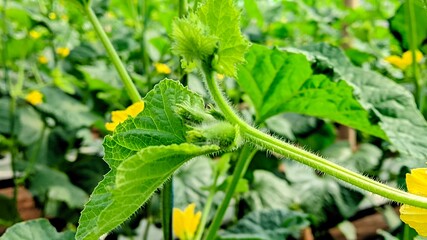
266, 141
114, 57
242, 165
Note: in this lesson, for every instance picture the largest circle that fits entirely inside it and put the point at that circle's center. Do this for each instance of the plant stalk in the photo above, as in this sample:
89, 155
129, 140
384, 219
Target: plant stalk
114, 57
242, 165
266, 141
207, 208
412, 36
167, 206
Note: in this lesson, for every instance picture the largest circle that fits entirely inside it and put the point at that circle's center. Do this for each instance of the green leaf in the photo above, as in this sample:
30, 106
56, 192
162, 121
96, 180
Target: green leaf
253, 11
284, 81
399, 25
65, 109
30, 125
279, 81
391, 105
4, 115
268, 191
223, 20
365, 159
62, 81
142, 151
192, 40
8, 212
190, 181
116, 199
212, 33
38, 229
331, 198
55, 185
348, 230
267, 225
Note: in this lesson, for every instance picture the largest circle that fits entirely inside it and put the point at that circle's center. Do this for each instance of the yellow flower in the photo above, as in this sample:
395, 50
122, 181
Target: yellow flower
34, 34
63, 51
42, 60
405, 61
416, 217
34, 97
162, 68
185, 222
110, 15
52, 16
120, 116
220, 76
64, 17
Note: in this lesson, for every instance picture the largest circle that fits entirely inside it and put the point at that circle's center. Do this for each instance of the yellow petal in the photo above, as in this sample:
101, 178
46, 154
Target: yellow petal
407, 56
34, 97
398, 62
194, 223
416, 181
135, 108
178, 221
111, 126
34, 34
42, 60
185, 222
162, 68
119, 116
63, 51
415, 217
52, 16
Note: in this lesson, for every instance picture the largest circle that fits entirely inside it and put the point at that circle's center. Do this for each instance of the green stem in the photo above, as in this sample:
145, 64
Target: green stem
37, 75
114, 57
147, 229
34, 156
4, 44
145, 58
182, 11
242, 165
182, 8
266, 141
207, 208
167, 205
12, 104
413, 48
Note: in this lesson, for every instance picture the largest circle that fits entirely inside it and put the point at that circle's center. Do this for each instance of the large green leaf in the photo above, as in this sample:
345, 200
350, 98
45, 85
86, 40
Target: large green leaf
65, 109
38, 229
285, 81
400, 27
387, 102
136, 180
191, 180
55, 185
332, 199
30, 125
142, 152
279, 81
267, 225
268, 191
